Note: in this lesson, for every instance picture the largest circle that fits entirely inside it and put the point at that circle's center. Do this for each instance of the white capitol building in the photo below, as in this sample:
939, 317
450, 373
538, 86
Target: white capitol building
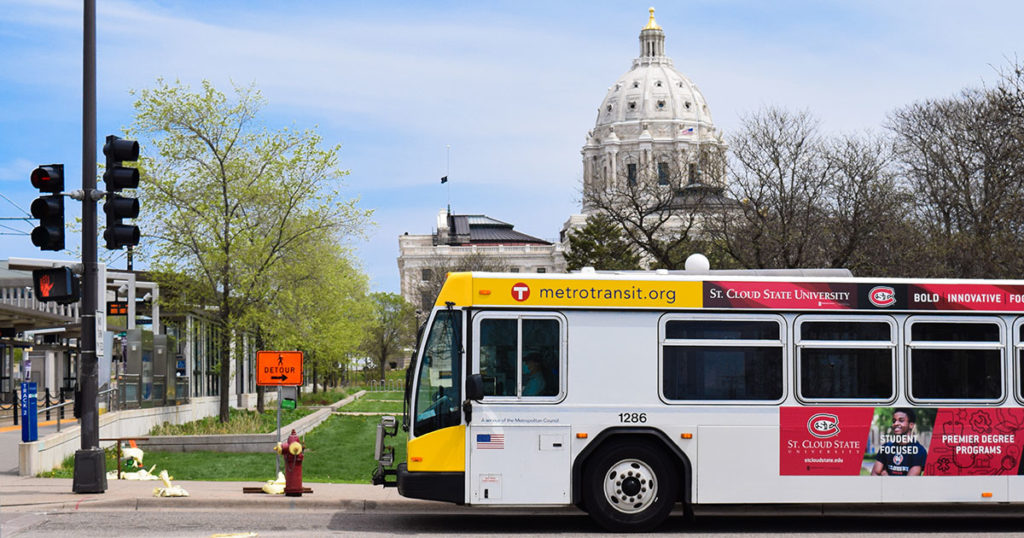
652, 125
653, 118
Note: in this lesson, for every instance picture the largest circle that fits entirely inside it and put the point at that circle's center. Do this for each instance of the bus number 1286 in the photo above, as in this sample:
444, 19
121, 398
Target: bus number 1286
633, 417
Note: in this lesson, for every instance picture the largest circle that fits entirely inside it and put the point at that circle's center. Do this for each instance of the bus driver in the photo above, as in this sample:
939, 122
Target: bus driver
533, 375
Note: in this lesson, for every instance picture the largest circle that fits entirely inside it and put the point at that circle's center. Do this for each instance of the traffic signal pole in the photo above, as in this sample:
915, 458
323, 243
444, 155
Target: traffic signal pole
90, 474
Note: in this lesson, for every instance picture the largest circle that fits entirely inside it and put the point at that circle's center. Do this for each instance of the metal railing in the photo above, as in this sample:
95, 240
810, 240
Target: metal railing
124, 396
388, 385
23, 297
52, 406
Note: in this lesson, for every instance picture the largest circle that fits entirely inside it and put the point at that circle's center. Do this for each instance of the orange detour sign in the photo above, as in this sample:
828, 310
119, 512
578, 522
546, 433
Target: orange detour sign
275, 368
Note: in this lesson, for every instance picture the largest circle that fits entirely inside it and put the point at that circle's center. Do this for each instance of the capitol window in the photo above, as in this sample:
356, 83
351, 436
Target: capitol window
662, 173
661, 103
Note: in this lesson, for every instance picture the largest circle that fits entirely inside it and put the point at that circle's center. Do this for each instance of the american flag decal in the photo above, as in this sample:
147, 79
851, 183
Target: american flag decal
490, 440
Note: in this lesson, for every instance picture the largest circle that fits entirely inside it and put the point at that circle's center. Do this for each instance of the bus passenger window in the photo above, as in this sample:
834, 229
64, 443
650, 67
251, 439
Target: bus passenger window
846, 359
541, 357
520, 356
955, 360
716, 359
498, 363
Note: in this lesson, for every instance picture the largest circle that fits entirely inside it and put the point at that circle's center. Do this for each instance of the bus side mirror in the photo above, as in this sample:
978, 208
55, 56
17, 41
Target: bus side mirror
475, 387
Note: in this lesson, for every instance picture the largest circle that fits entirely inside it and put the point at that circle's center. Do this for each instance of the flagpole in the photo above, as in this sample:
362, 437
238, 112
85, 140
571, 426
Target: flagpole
700, 172
447, 171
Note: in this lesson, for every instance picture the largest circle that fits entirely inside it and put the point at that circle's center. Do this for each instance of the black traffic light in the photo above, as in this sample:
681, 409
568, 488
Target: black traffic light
49, 235
117, 207
59, 285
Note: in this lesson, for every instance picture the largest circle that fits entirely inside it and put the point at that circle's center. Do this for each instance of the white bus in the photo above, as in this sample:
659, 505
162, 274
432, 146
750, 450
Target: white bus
624, 394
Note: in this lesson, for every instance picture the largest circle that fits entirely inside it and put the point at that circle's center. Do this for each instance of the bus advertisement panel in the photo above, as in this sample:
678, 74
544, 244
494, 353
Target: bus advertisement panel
887, 441
862, 296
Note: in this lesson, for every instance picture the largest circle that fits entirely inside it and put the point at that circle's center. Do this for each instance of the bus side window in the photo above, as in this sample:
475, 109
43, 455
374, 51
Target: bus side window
498, 344
541, 342
713, 359
520, 356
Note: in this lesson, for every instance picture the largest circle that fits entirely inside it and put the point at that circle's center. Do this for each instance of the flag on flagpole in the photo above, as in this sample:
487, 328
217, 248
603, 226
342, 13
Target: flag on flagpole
444, 179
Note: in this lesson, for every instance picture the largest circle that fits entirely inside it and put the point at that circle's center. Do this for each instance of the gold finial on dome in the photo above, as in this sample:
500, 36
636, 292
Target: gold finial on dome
651, 24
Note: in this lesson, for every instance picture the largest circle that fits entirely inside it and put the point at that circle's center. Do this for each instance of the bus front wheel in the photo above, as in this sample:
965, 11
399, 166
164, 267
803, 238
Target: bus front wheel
628, 486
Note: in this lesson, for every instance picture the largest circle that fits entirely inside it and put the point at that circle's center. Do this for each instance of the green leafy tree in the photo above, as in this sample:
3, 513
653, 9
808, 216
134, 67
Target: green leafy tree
228, 201
393, 329
601, 245
318, 305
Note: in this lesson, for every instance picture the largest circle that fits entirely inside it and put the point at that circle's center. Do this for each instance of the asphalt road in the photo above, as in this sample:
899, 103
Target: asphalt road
178, 523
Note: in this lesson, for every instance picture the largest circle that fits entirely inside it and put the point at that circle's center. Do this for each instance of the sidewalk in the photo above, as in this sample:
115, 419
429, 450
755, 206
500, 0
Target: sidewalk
30, 494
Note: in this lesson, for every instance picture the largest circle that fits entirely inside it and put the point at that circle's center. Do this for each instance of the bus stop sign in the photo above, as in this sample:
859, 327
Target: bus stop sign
278, 368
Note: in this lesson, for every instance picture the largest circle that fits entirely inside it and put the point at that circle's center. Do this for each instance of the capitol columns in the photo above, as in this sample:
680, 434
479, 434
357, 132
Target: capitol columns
611, 149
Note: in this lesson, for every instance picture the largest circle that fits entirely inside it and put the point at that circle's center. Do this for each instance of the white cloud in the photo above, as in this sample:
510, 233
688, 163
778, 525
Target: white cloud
16, 170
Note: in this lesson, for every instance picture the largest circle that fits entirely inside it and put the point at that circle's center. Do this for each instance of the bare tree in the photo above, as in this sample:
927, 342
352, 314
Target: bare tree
780, 174
809, 200
964, 157
867, 208
440, 265
659, 206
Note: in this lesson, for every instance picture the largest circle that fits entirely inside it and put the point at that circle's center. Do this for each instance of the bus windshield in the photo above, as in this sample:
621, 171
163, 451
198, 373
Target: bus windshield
439, 388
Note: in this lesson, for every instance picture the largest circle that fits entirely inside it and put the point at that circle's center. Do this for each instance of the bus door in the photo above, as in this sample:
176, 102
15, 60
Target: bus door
437, 440
518, 440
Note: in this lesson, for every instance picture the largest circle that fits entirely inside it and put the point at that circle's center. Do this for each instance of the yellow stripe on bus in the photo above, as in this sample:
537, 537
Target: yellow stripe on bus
443, 450
463, 289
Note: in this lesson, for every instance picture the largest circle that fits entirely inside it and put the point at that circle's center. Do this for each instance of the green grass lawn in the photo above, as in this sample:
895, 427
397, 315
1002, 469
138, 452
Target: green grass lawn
373, 406
339, 450
383, 396
326, 397
240, 421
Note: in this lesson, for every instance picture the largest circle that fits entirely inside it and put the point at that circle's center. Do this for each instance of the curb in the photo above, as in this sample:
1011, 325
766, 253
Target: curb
279, 503
253, 501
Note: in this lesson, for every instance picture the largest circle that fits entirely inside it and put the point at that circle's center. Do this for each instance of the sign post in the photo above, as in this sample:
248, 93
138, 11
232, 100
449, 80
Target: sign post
29, 418
278, 369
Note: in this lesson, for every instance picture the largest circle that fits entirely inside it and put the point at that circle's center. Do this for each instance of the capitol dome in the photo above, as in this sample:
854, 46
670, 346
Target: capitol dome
653, 91
653, 123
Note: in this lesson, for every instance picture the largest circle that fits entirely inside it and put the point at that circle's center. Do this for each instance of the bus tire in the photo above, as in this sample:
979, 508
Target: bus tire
628, 486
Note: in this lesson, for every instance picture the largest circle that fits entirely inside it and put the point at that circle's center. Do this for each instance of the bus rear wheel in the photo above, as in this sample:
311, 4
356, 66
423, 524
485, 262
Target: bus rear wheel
629, 487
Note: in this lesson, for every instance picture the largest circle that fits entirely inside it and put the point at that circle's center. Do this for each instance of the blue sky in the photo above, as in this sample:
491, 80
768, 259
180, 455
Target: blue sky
512, 87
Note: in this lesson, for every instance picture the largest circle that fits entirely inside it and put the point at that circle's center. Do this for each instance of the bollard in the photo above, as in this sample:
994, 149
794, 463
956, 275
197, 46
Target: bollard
14, 394
47, 403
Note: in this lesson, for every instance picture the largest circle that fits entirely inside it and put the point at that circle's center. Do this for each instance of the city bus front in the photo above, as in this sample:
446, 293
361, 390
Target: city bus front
433, 417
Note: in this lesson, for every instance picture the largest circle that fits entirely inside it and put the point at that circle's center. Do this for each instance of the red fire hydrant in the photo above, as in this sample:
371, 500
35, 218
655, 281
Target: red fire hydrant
292, 451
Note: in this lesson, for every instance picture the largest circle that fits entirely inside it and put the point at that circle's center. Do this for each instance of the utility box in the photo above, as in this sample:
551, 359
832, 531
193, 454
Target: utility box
146, 377
132, 368
163, 370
